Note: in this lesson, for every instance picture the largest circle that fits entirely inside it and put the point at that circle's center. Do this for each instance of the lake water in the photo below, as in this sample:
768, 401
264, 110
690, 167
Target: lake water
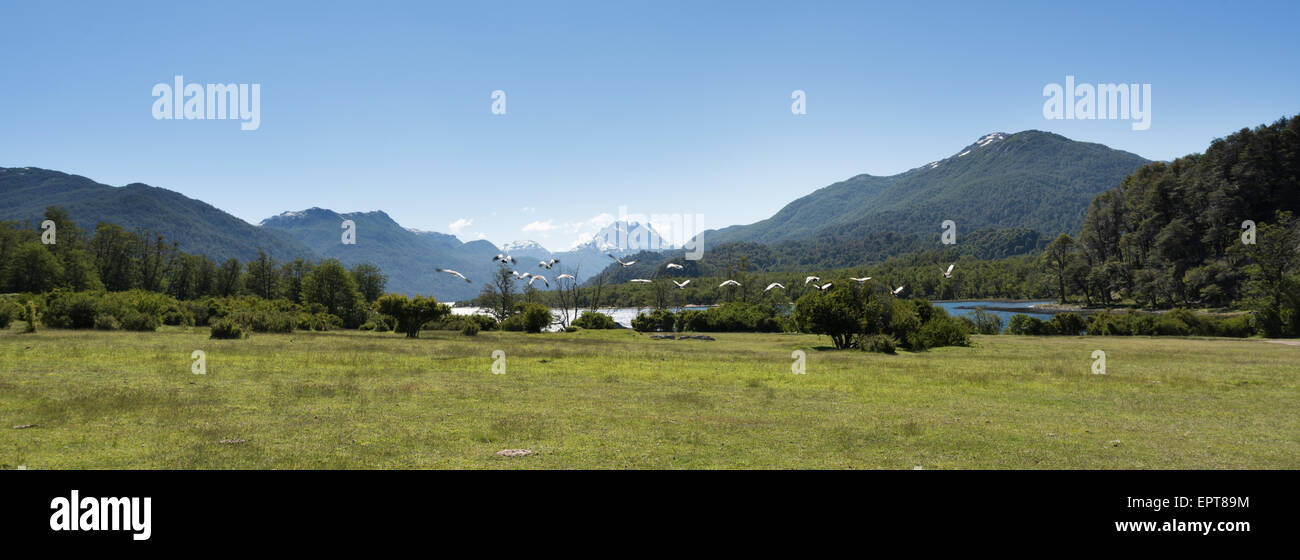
624, 315
967, 308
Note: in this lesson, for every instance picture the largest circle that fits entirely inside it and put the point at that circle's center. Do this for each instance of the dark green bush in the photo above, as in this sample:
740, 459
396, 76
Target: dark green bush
106, 322
881, 343
986, 323
8, 311
534, 317
138, 321
228, 329
692, 320
943, 330
71, 310
658, 320
1026, 325
729, 317
594, 320
513, 323
1071, 324
471, 329
32, 316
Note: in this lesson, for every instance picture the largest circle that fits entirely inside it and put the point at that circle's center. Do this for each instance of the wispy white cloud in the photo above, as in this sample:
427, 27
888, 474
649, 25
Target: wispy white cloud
541, 227
460, 224
591, 224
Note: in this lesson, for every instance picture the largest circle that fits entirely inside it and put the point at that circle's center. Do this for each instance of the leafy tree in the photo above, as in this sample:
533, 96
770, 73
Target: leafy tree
832, 316
230, 280
292, 275
34, 269
370, 281
1056, 261
411, 314
499, 296
535, 317
330, 285
263, 278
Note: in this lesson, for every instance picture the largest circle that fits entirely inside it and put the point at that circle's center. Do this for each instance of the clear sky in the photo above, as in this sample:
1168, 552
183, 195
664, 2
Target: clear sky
660, 107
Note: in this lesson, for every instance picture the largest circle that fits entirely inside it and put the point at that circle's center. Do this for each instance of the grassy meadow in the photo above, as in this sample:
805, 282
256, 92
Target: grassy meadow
618, 399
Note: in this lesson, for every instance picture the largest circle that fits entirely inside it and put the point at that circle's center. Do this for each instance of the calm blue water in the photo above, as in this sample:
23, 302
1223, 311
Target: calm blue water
966, 308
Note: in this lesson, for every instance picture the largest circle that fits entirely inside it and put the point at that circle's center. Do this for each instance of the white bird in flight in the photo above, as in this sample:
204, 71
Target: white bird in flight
860, 280
810, 279
948, 273
503, 258
671, 266
640, 280
729, 283
537, 277
617, 260
521, 275
548, 264
682, 284
569, 276
900, 289
453, 273
825, 286
774, 285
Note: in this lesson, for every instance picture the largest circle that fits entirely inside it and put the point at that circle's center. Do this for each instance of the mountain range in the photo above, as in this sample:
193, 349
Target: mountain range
1030, 180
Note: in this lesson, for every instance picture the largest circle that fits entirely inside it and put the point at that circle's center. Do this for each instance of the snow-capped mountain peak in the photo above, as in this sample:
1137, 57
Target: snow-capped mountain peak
991, 138
624, 238
526, 246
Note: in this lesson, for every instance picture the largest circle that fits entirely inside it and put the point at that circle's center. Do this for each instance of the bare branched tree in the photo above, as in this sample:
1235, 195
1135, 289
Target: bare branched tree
501, 293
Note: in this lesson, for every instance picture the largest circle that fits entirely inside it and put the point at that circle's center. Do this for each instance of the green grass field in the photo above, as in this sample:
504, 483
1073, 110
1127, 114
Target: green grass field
618, 399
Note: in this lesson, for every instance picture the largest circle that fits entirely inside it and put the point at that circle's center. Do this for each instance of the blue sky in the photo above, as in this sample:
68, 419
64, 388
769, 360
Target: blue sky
659, 107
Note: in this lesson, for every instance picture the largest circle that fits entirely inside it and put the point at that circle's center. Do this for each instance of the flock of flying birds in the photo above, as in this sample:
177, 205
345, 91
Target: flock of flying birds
547, 264
507, 259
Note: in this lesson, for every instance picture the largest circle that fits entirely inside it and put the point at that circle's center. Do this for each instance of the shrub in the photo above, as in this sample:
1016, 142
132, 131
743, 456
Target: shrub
739, 317
411, 313
228, 329
137, 321
943, 330
1239, 326
658, 320
32, 316
513, 323
1026, 325
106, 322
986, 323
1071, 324
534, 317
881, 343
593, 320
692, 320
8, 311
471, 329
71, 310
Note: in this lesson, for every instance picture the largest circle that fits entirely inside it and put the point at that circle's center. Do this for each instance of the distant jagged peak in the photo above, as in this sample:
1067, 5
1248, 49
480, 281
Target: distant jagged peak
984, 141
526, 246
294, 215
316, 212
623, 237
991, 138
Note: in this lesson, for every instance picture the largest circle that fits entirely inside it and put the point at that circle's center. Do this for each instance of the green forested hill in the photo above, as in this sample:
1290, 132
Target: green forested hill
1031, 179
196, 226
408, 258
